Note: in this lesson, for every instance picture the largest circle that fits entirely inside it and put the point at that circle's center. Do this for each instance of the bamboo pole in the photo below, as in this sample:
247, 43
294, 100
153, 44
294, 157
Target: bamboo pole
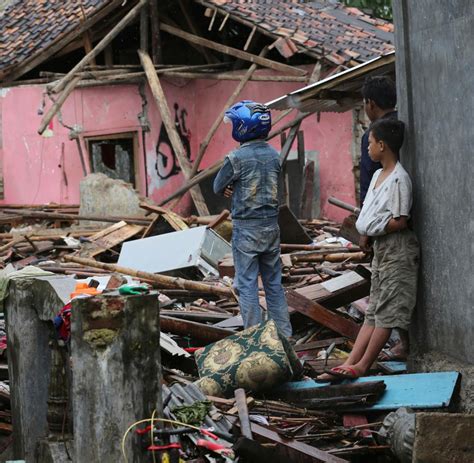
337, 257
162, 280
57, 104
193, 181
231, 51
128, 18
175, 140
207, 139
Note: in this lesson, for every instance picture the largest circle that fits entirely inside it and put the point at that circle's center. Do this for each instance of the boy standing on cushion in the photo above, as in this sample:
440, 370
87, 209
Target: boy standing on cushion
383, 224
250, 175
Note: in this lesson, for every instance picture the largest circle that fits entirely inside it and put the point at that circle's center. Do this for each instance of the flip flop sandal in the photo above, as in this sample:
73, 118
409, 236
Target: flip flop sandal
337, 372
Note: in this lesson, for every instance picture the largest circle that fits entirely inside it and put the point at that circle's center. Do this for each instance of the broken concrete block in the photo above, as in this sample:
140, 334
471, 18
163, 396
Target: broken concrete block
116, 372
104, 196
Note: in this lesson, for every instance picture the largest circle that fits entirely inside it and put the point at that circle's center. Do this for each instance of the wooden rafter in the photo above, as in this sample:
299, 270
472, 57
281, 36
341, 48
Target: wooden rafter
275, 65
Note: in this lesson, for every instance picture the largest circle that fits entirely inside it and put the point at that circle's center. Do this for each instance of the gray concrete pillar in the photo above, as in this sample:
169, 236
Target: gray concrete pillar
30, 309
116, 373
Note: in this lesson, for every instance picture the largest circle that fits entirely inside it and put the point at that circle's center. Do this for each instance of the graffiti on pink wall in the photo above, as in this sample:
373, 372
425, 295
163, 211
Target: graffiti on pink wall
166, 161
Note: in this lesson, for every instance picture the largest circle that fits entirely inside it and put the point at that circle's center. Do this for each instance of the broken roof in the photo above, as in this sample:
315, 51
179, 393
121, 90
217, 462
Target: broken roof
323, 29
29, 27
336, 93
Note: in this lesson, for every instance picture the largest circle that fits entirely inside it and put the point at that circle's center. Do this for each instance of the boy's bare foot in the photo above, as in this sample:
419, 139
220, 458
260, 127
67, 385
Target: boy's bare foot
397, 352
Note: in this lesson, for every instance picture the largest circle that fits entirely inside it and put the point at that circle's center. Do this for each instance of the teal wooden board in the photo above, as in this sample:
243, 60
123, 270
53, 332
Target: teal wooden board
393, 366
418, 390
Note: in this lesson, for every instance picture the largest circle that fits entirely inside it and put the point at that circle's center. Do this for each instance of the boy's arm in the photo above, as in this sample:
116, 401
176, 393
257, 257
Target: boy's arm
400, 223
224, 177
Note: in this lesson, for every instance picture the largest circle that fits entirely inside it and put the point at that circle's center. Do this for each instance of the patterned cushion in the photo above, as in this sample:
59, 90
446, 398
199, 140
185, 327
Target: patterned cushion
256, 359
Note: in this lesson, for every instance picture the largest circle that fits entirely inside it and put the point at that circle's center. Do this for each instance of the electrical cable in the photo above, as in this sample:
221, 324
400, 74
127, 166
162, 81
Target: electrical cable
151, 434
151, 420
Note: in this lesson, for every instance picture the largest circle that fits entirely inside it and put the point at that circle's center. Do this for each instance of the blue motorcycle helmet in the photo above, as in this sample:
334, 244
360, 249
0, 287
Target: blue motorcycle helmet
250, 120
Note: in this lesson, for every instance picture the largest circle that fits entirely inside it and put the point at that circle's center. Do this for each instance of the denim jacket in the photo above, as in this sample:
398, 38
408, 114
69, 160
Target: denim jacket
253, 172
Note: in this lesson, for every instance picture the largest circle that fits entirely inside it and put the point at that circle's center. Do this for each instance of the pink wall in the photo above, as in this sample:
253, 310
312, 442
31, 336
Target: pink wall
34, 173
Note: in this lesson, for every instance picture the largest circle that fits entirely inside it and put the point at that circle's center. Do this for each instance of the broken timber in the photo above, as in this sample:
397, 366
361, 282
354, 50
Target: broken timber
201, 331
294, 450
161, 280
321, 315
175, 140
231, 51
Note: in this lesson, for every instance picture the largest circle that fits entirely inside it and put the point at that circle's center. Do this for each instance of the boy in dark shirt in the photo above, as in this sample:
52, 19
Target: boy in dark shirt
380, 98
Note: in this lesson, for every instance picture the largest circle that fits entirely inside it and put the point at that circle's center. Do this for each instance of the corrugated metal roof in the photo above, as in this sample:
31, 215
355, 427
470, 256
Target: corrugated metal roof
337, 93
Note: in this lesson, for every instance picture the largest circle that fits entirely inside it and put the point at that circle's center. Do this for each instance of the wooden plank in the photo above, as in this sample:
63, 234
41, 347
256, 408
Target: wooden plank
295, 451
319, 314
168, 122
241, 403
231, 51
175, 220
144, 15
114, 238
127, 19
319, 344
418, 390
156, 50
338, 298
200, 331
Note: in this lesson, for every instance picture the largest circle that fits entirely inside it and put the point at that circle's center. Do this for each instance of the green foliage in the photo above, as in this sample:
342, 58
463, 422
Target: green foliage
379, 8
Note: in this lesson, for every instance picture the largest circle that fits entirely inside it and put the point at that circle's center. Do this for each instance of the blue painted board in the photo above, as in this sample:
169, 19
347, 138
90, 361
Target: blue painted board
418, 390
394, 366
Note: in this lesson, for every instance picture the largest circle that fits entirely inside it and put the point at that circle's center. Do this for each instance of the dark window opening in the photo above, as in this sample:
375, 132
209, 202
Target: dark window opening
114, 158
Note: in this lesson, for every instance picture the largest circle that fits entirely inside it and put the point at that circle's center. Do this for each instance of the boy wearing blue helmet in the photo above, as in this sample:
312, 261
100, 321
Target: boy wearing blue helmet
251, 175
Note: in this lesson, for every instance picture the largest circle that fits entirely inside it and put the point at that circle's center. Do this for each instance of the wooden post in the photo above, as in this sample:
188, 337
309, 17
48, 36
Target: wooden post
127, 19
296, 121
156, 51
109, 55
231, 51
205, 143
168, 122
57, 104
289, 143
144, 29
252, 33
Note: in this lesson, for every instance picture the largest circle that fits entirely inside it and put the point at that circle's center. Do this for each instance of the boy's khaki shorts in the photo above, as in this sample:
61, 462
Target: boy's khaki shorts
394, 280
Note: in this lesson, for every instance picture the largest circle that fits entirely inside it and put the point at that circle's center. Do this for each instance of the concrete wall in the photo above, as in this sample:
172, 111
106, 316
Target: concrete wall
35, 170
435, 69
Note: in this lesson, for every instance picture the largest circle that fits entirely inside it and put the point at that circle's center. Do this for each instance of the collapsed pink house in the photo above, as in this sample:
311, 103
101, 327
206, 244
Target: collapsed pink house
118, 130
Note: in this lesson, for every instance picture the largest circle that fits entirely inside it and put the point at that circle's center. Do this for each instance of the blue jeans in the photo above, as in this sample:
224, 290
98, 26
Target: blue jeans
256, 249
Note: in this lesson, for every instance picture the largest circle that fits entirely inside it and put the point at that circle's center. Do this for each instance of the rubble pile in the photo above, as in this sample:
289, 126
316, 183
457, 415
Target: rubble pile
189, 261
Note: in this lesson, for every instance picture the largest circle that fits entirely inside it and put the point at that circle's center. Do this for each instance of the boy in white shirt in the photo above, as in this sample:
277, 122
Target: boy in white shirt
383, 224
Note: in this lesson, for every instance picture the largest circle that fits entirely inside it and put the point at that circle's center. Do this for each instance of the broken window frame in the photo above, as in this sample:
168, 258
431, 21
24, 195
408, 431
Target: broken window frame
139, 164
